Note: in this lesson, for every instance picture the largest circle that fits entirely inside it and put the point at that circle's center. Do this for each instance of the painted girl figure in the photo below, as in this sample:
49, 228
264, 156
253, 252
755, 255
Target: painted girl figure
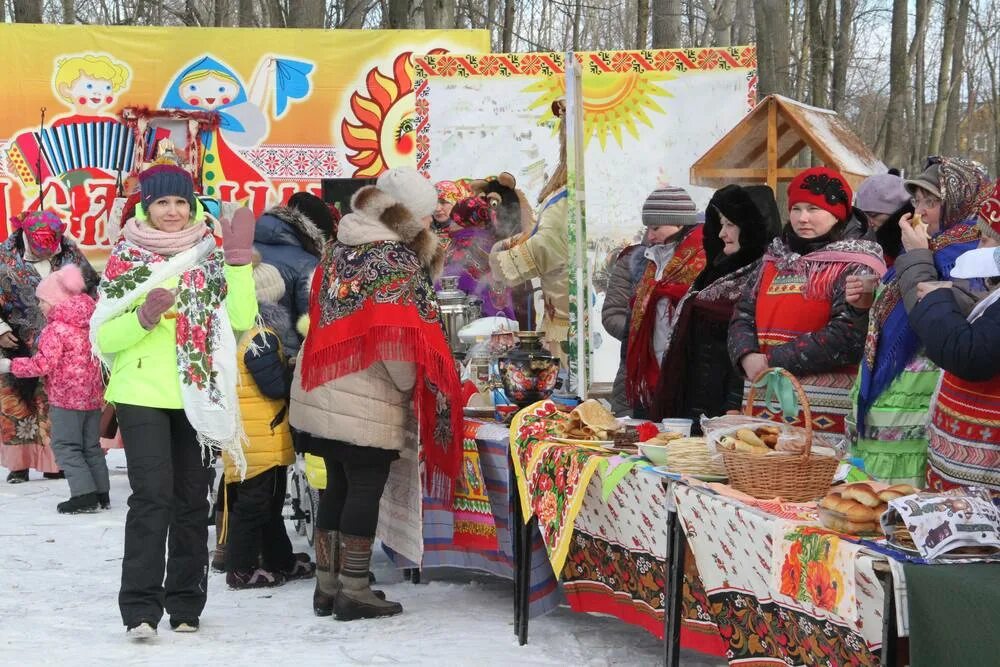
209, 85
90, 86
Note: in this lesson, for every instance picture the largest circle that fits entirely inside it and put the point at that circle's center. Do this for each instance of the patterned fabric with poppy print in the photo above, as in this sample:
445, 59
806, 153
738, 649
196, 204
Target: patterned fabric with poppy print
734, 547
552, 477
475, 527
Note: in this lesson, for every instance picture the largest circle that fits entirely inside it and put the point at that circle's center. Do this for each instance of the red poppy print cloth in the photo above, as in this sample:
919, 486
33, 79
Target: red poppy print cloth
782, 592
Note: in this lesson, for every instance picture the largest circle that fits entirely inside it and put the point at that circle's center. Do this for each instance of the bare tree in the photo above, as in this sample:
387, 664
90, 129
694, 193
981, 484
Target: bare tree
245, 14
949, 138
944, 76
306, 13
719, 17
666, 24
27, 11
773, 46
399, 14
355, 12
507, 32
642, 24
743, 23
899, 76
843, 47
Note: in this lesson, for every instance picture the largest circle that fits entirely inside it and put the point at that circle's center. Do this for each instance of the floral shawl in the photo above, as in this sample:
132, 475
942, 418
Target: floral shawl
206, 346
375, 302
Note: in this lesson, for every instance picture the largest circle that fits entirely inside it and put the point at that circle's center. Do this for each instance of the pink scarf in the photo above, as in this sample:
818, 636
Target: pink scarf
163, 243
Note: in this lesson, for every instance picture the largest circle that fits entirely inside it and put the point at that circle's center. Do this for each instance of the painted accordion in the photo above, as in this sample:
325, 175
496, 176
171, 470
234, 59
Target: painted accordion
106, 145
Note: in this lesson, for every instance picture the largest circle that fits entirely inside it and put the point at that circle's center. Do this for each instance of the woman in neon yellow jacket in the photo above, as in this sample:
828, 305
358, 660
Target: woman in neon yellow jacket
168, 303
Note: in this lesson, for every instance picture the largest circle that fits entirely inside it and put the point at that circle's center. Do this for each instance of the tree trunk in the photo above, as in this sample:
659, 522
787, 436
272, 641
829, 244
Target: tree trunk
68, 12
220, 8
642, 24
773, 46
719, 16
246, 16
743, 23
354, 14
399, 14
819, 64
944, 77
953, 114
507, 34
306, 13
843, 48
577, 12
666, 24
899, 75
432, 14
27, 11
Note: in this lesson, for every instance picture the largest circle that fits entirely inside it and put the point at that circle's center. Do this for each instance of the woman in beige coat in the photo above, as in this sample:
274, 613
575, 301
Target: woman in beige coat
375, 378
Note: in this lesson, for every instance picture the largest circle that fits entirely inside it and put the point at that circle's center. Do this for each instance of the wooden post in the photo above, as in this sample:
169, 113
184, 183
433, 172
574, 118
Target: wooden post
772, 143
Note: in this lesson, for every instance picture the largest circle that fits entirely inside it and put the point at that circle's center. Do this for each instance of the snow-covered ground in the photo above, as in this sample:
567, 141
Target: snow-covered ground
59, 580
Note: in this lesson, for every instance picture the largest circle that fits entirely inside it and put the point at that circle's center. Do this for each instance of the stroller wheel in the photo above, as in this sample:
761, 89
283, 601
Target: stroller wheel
311, 508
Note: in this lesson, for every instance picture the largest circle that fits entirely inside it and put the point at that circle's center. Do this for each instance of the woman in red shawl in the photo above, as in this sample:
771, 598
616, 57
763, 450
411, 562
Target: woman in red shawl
795, 314
668, 267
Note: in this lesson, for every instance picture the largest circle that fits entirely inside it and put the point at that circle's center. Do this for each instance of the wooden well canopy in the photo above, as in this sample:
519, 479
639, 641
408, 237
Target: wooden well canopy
763, 144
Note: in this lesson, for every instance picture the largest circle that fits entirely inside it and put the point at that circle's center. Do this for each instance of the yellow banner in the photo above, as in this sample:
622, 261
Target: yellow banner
266, 112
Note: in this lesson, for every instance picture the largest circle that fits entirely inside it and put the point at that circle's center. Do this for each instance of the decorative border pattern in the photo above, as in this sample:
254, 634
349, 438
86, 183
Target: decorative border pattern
294, 161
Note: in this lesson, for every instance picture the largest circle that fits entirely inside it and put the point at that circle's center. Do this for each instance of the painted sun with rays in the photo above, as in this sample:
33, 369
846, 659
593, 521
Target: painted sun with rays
613, 102
384, 134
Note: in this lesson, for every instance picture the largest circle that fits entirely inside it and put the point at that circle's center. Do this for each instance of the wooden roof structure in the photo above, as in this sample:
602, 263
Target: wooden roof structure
761, 146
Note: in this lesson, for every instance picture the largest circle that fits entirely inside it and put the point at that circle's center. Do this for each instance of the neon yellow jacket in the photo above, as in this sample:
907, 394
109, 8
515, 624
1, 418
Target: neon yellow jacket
145, 367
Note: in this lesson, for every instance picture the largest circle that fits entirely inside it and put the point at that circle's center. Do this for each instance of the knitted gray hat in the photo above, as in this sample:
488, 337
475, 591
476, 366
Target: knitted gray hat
881, 193
669, 206
165, 180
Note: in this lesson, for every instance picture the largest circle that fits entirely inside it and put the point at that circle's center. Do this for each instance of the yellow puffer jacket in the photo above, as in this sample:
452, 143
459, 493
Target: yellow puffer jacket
269, 446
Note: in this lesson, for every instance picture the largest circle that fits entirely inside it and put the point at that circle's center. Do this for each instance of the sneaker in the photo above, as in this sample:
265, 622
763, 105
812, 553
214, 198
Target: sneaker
141, 630
257, 578
184, 624
82, 504
303, 568
104, 500
17, 477
54, 475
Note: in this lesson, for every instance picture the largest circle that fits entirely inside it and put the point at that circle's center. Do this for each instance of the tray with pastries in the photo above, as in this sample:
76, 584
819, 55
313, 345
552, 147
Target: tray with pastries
855, 509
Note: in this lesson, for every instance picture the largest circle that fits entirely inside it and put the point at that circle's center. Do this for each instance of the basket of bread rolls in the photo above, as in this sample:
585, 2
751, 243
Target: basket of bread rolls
757, 468
856, 508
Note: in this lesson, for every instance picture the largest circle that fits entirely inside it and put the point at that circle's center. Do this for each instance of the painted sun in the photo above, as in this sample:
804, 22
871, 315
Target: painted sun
612, 102
384, 134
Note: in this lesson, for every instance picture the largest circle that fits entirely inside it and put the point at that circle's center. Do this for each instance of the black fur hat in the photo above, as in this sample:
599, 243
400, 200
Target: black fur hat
753, 209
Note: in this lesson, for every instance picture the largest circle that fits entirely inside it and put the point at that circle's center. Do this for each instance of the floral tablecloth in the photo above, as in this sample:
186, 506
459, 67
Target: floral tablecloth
780, 591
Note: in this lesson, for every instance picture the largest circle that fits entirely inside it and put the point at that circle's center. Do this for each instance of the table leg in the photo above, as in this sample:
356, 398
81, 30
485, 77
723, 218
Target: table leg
890, 633
674, 582
524, 597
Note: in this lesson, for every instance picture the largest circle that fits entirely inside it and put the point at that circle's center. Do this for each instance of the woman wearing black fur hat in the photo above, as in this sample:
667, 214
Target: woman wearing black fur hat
696, 377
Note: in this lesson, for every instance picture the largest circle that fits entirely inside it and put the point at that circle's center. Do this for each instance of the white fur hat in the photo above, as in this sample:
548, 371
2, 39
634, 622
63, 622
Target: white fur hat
408, 187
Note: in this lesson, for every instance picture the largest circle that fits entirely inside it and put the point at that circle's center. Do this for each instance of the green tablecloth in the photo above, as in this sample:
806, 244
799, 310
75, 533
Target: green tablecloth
954, 614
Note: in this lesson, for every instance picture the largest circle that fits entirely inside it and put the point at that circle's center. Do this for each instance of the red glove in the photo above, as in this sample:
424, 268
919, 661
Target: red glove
237, 237
158, 301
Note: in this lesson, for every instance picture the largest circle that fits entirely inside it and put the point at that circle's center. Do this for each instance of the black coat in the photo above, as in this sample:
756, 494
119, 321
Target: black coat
969, 350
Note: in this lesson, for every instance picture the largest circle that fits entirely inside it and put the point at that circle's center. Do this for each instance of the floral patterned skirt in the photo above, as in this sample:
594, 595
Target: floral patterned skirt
25, 429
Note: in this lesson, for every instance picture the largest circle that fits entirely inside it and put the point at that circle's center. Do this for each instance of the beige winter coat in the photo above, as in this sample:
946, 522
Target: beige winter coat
374, 407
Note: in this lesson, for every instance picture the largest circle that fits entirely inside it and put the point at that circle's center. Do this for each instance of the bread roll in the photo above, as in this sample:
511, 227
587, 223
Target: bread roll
862, 493
749, 437
888, 494
858, 527
769, 439
768, 430
904, 489
830, 502
855, 511
742, 446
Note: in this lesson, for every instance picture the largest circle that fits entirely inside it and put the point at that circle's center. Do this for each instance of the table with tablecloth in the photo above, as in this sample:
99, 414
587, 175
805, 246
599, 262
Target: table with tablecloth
602, 520
474, 531
780, 590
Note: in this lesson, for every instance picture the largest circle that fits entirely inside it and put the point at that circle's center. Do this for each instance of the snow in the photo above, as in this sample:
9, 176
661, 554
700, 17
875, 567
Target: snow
58, 605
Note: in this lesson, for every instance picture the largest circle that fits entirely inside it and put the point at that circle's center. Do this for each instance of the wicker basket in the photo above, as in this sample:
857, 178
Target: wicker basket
799, 478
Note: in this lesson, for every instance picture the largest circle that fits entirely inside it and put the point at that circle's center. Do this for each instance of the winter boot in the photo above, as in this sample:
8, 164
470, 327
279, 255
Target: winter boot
327, 544
255, 578
141, 630
17, 476
184, 624
302, 568
83, 503
54, 475
219, 555
104, 500
355, 599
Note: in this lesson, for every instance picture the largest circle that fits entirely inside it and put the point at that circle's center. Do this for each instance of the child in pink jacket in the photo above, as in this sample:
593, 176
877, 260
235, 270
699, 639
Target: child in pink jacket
74, 386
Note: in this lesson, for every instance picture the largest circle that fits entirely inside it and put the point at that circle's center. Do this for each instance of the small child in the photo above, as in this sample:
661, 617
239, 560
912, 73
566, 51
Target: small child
74, 386
258, 552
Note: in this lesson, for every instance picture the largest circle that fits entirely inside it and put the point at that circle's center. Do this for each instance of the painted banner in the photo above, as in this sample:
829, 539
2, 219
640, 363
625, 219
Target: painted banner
289, 107
646, 117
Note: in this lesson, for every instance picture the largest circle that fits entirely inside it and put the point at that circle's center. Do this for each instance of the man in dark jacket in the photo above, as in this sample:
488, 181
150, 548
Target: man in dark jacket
291, 241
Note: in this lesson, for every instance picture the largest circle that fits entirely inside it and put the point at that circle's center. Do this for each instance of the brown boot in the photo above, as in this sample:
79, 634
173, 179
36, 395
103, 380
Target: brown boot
219, 555
355, 599
327, 544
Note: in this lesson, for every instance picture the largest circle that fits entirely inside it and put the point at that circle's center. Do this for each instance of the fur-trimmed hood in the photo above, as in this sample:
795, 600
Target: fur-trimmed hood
281, 225
376, 216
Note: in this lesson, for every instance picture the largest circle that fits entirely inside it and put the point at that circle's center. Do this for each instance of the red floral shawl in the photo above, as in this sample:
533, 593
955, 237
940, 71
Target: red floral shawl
375, 302
642, 366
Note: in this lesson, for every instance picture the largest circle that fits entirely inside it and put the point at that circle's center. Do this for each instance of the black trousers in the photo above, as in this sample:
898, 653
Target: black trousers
256, 525
355, 480
166, 512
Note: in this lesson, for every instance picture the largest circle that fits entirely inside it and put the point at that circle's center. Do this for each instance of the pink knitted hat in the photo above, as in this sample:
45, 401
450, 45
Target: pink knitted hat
61, 285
